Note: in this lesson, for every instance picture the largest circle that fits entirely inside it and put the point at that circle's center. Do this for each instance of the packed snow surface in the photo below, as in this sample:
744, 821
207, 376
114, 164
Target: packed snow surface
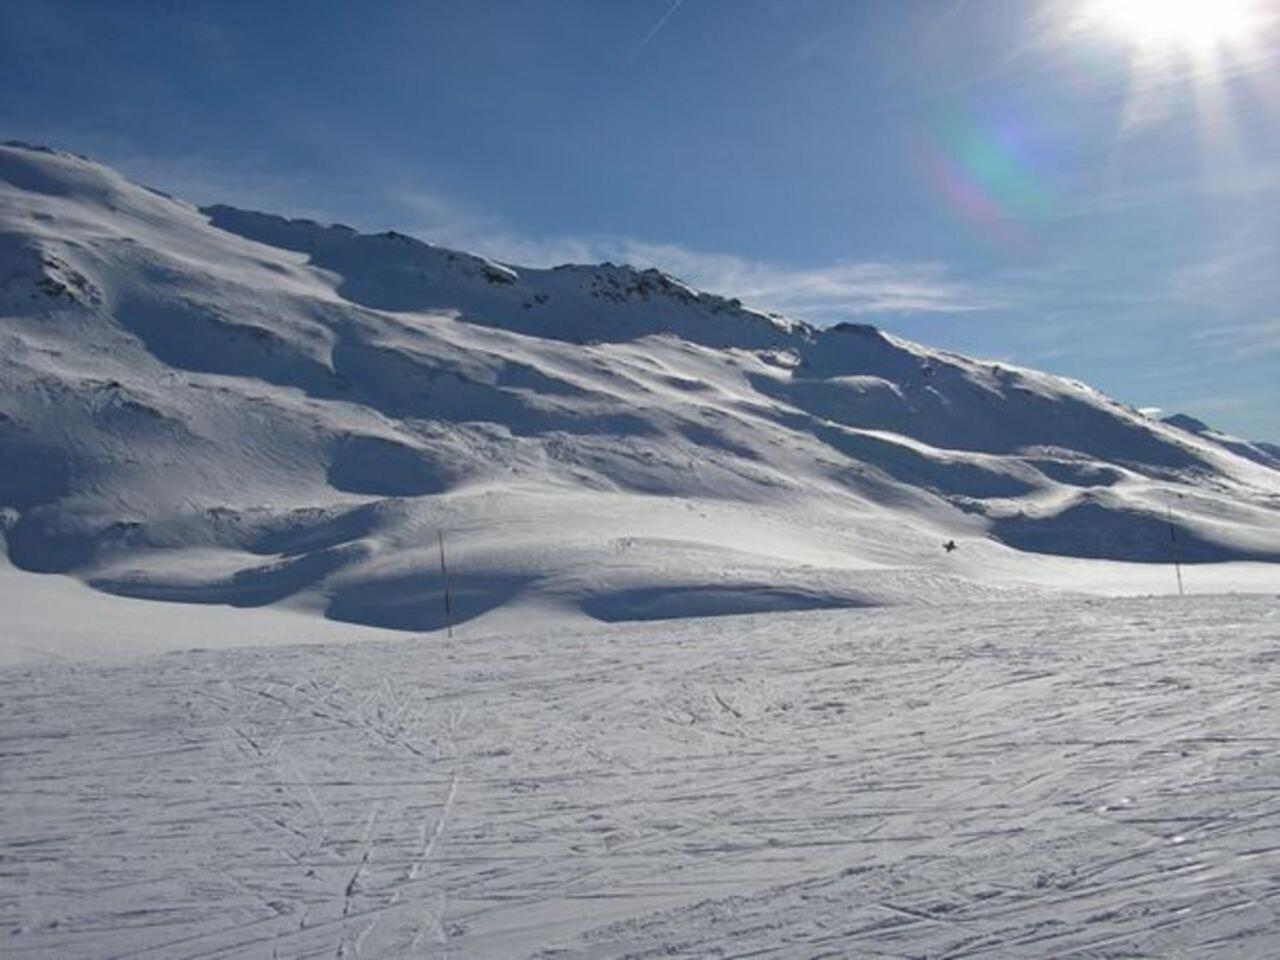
251, 436
1077, 778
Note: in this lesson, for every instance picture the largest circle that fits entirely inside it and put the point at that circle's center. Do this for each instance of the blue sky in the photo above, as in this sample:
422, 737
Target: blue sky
1043, 182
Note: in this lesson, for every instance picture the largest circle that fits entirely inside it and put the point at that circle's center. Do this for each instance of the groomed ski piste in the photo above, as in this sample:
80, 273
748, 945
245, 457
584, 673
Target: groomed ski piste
711, 688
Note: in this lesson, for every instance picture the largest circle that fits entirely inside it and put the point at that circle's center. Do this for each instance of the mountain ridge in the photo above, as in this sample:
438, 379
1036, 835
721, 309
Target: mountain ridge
1258, 451
219, 406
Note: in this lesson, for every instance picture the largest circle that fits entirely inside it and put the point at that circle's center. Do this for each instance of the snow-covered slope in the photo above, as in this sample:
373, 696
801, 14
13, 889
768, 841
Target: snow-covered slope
227, 407
1082, 778
1256, 450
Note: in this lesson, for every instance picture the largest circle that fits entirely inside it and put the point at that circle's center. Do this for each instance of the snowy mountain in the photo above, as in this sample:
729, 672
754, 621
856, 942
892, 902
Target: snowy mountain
1255, 450
218, 406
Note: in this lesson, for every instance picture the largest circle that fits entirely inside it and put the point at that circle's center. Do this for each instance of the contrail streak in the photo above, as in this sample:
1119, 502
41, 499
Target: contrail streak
654, 31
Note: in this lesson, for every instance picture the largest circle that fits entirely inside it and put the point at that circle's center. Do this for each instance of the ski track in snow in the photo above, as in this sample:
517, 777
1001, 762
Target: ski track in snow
1094, 778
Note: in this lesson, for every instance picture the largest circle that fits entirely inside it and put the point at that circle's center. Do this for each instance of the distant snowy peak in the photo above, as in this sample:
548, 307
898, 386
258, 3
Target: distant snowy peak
1267, 454
1187, 422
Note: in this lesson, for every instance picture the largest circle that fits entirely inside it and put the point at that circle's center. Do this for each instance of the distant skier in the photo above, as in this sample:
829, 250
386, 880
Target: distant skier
949, 546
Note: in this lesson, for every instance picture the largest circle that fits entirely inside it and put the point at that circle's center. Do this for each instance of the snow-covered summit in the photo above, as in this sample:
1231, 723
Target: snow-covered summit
1255, 450
220, 406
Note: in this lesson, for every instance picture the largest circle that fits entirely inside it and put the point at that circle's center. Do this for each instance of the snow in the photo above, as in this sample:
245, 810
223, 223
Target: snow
60, 619
1068, 778
1267, 454
712, 688
228, 408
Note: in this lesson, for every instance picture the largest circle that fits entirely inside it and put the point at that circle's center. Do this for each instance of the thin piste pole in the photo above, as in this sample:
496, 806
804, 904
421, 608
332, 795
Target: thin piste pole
444, 575
1173, 542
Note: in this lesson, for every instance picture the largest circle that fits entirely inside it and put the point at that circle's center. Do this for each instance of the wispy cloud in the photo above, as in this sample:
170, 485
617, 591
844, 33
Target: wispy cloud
821, 293
1233, 290
1260, 182
1233, 281
437, 219
1247, 339
824, 292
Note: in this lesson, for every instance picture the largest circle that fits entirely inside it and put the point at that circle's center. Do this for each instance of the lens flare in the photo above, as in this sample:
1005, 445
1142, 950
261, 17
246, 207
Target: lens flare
986, 168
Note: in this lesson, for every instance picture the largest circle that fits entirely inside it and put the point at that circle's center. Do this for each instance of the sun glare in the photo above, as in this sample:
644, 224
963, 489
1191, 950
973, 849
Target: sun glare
1180, 45
1192, 23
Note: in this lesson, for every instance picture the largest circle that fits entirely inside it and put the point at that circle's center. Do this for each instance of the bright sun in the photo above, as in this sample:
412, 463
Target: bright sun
1175, 46
1188, 23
